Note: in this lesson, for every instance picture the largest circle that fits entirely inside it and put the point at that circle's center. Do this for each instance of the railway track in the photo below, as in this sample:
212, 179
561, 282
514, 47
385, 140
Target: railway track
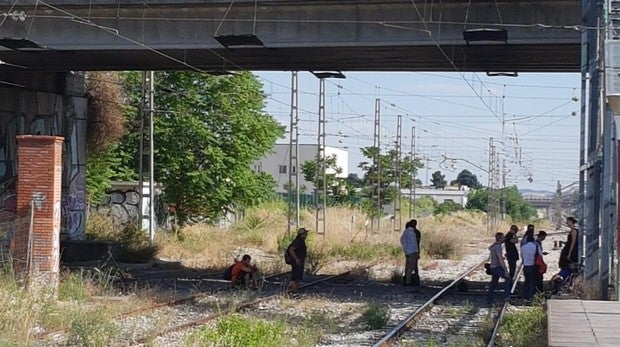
461, 321
430, 315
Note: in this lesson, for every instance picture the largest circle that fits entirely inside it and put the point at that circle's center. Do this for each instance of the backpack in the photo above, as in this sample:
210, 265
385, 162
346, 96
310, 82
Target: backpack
540, 264
227, 275
287, 257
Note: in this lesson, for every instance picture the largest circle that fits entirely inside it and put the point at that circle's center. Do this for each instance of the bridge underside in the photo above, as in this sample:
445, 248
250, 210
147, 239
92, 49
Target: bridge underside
509, 58
393, 35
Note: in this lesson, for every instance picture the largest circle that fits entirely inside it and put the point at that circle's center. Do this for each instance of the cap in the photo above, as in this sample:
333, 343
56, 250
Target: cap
302, 231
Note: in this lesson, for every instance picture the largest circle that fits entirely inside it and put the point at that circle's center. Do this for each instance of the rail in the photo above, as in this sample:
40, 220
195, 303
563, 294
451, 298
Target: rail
406, 323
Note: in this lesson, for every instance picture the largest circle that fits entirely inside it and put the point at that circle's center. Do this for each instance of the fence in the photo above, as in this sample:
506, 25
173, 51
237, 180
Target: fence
10, 224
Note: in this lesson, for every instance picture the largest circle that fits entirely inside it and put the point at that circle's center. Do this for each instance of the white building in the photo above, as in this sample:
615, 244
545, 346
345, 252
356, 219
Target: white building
440, 195
276, 164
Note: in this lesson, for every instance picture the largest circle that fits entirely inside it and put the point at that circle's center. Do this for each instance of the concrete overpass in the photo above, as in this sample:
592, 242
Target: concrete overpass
392, 35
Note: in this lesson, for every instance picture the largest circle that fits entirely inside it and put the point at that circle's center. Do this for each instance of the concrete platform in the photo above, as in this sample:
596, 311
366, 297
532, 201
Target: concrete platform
583, 323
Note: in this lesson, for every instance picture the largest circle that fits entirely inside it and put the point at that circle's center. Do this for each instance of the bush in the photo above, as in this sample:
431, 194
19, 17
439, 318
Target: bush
134, 242
91, 329
447, 208
364, 251
375, 316
236, 330
438, 245
524, 327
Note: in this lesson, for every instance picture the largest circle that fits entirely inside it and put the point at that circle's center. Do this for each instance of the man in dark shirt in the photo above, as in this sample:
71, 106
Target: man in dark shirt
297, 251
512, 255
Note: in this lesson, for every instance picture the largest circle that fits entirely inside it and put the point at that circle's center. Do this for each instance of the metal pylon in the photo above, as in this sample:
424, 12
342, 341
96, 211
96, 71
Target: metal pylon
147, 150
320, 187
293, 164
397, 169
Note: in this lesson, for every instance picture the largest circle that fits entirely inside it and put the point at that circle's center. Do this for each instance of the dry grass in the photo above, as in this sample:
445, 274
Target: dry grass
348, 236
87, 317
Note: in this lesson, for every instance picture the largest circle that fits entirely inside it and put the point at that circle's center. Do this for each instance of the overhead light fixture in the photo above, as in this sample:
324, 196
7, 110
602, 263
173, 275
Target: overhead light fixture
504, 74
237, 41
22, 45
328, 74
485, 36
220, 72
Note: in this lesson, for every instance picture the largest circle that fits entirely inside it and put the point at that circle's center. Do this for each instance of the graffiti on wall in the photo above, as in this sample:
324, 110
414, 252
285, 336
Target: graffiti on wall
122, 205
74, 170
39, 113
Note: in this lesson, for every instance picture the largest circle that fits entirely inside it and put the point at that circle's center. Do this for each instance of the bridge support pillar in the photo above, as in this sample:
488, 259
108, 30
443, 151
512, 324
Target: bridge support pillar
52, 104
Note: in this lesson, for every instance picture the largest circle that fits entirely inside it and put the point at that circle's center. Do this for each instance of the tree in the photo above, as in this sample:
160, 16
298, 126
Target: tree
355, 181
211, 130
388, 163
516, 207
466, 178
438, 180
334, 184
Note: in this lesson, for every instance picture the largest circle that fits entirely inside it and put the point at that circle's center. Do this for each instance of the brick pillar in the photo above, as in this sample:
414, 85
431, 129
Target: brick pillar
39, 168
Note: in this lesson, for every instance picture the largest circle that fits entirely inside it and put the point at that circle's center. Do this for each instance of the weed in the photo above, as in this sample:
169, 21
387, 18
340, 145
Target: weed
375, 316
92, 328
524, 327
364, 251
236, 330
72, 287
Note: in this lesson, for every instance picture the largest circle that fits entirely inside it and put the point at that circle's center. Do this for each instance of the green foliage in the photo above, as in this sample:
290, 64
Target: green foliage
375, 316
447, 208
517, 208
103, 167
524, 327
389, 174
285, 241
438, 180
135, 245
207, 142
362, 251
238, 331
91, 328
477, 200
424, 205
72, 287
466, 178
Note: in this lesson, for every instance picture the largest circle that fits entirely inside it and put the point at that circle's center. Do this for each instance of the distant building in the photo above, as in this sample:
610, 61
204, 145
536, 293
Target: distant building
440, 195
276, 164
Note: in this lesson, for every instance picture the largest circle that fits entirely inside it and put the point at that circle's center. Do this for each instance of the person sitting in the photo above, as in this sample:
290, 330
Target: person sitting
243, 273
560, 279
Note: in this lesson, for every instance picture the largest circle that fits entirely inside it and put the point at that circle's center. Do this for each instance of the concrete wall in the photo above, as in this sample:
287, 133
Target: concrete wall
276, 164
42, 103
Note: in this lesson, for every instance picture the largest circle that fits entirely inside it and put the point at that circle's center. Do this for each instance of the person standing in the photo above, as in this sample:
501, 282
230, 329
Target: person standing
512, 255
569, 255
542, 235
528, 257
529, 233
497, 268
409, 242
298, 252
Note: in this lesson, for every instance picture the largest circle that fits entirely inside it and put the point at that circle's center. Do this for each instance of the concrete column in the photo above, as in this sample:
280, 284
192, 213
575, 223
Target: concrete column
39, 171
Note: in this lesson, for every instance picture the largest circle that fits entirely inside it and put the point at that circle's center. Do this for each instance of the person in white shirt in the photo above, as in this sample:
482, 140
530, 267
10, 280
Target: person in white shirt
528, 256
409, 242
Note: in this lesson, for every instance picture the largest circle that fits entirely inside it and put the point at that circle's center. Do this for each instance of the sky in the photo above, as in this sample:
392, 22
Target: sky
533, 120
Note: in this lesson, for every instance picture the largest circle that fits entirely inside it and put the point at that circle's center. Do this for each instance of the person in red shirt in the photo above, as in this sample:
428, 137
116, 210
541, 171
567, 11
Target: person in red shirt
243, 273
